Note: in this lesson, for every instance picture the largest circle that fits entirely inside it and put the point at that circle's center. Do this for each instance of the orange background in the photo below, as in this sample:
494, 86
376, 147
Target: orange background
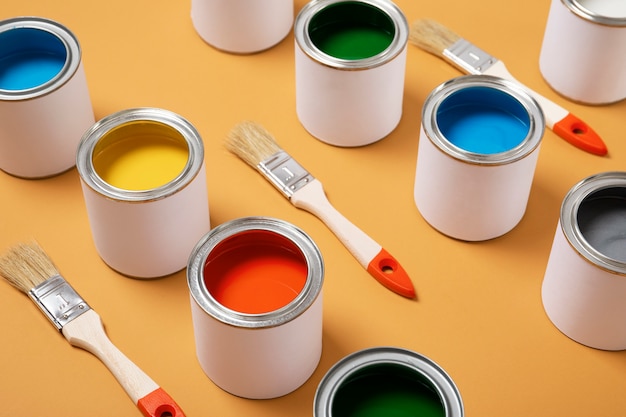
479, 312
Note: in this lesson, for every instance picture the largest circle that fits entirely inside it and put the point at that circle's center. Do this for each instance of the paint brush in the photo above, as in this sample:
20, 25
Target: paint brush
440, 41
257, 147
28, 268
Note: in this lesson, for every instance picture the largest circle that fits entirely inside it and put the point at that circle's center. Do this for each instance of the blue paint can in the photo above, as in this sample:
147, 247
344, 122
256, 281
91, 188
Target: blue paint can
479, 144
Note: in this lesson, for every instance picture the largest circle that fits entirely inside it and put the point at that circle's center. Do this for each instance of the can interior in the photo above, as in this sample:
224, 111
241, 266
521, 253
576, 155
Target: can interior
610, 9
351, 30
140, 155
601, 219
255, 272
387, 389
29, 58
483, 120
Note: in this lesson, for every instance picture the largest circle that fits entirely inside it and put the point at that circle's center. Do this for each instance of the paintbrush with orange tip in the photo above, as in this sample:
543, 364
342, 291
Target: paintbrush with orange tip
28, 268
435, 38
257, 147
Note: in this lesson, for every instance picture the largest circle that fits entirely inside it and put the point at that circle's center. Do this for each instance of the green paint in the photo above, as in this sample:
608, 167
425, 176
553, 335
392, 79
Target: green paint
351, 30
387, 391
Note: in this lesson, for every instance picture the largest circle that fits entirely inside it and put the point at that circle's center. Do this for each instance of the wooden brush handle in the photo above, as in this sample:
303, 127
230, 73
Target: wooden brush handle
87, 332
371, 255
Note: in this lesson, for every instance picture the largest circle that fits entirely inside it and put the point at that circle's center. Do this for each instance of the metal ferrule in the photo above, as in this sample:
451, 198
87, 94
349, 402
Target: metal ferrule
58, 300
287, 175
468, 57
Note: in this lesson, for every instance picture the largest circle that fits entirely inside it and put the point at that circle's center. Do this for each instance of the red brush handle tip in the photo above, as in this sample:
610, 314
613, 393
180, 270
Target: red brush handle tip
579, 134
159, 404
390, 273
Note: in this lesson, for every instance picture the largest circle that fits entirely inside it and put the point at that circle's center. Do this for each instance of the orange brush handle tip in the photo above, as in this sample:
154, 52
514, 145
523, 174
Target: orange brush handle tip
390, 273
159, 404
576, 132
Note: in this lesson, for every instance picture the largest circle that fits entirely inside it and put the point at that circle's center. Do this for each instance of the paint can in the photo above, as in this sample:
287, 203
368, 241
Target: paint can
256, 301
242, 26
584, 286
350, 62
583, 50
387, 381
44, 101
478, 148
144, 183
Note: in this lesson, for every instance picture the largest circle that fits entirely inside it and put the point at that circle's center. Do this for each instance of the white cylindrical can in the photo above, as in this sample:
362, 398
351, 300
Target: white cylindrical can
583, 50
256, 302
584, 287
350, 62
144, 183
44, 102
387, 381
242, 26
478, 148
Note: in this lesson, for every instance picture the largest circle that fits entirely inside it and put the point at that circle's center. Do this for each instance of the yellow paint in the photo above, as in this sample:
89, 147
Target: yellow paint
140, 156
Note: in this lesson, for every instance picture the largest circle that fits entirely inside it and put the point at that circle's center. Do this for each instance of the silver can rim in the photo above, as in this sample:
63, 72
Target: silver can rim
569, 214
398, 43
447, 88
446, 388
590, 15
287, 313
88, 174
72, 62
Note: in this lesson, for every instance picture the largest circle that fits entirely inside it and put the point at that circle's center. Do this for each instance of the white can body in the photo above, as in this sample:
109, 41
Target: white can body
149, 239
467, 201
582, 56
259, 363
469, 195
347, 102
242, 26
584, 289
265, 354
145, 233
40, 128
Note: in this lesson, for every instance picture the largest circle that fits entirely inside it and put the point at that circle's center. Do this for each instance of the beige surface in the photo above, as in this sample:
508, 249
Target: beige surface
479, 313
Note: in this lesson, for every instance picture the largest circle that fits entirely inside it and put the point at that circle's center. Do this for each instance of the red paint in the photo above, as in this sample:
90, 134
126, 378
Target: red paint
255, 272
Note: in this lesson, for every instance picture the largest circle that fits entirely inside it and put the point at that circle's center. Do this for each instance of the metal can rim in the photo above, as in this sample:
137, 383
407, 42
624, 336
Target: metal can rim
84, 154
589, 15
447, 88
569, 212
446, 388
287, 313
398, 44
72, 63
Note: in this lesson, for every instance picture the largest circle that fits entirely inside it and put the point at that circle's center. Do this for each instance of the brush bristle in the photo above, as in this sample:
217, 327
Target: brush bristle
251, 142
26, 265
431, 36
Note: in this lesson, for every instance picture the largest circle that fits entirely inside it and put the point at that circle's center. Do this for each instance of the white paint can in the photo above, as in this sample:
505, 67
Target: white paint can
478, 148
242, 26
44, 101
584, 49
256, 301
350, 63
144, 183
584, 287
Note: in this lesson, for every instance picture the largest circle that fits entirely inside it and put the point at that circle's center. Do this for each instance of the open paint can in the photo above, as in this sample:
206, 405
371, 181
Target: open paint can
584, 287
350, 62
144, 183
256, 304
242, 26
478, 148
44, 100
583, 50
387, 381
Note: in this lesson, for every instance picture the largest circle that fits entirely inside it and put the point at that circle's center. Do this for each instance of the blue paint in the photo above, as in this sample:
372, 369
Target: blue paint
483, 120
29, 58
